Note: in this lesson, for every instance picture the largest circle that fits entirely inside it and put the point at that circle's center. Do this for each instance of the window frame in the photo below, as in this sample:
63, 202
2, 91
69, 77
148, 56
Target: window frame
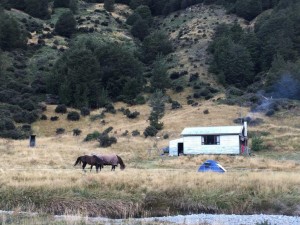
207, 138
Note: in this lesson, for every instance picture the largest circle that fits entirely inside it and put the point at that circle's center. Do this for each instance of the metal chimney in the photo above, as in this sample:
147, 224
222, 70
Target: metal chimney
245, 128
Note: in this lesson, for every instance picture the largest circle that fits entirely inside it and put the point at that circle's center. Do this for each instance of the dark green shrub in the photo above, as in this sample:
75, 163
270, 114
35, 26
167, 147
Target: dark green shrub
76, 132
60, 130
61, 3
106, 141
73, 116
26, 128
125, 133
270, 112
61, 108
11, 35
190, 101
92, 136
13, 134
257, 143
140, 29
133, 18
110, 108
25, 117
107, 130
140, 100
150, 131
6, 124
97, 116
133, 115
176, 105
206, 111
135, 133
109, 5
54, 118
84, 111
43, 117
166, 136
38, 8
66, 25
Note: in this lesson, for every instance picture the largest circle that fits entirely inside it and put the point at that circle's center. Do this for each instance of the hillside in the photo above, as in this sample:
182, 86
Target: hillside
106, 67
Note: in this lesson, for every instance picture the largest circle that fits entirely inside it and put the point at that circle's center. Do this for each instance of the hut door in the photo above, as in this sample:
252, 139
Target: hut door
180, 148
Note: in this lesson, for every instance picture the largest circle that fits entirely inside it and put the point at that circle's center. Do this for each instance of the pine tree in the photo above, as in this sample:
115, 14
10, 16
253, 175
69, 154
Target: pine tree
160, 79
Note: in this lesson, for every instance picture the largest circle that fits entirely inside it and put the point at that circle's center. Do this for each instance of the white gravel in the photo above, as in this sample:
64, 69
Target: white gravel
197, 219
222, 219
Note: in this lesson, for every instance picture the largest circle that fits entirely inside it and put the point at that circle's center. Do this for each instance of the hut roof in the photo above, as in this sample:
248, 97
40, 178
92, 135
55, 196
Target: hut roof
191, 131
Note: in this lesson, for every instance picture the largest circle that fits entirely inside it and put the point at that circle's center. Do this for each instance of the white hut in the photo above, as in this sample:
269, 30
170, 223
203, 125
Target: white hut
211, 140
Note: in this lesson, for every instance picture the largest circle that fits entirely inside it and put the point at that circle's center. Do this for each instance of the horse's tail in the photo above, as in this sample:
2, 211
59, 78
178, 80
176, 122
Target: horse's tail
122, 165
78, 161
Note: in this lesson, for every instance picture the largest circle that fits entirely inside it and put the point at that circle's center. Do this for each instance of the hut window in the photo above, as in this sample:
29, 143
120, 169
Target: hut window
210, 140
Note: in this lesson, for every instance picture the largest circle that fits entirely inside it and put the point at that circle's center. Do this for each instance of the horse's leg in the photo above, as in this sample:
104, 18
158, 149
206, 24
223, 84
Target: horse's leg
92, 168
113, 168
83, 166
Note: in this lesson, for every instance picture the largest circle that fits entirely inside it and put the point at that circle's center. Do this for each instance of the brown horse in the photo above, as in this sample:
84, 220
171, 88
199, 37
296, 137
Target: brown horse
91, 160
112, 160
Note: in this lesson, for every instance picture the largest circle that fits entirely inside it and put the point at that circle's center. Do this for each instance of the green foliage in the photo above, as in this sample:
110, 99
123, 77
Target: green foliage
155, 44
92, 136
38, 8
61, 3
105, 140
109, 5
73, 116
257, 143
76, 78
85, 111
66, 24
76, 132
61, 108
136, 3
135, 133
133, 18
248, 9
60, 130
73, 5
24, 116
157, 103
120, 67
6, 124
145, 13
160, 79
140, 29
11, 35
232, 60
150, 131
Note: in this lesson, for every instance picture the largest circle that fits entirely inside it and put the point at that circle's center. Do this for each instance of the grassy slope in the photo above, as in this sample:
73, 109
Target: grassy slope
44, 179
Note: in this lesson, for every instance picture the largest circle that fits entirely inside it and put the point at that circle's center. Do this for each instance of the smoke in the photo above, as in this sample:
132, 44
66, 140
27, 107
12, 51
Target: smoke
286, 87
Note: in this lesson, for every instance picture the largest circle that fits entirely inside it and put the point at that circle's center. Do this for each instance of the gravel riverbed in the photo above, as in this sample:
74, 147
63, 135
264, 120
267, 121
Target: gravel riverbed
195, 219
206, 219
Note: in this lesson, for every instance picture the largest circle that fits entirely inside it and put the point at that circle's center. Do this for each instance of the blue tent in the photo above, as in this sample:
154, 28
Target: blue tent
211, 165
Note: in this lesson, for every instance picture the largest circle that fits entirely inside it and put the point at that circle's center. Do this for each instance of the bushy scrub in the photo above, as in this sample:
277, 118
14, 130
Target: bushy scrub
61, 108
73, 116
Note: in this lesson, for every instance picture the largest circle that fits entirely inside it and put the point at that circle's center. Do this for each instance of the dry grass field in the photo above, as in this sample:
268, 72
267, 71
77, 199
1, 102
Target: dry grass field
43, 179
